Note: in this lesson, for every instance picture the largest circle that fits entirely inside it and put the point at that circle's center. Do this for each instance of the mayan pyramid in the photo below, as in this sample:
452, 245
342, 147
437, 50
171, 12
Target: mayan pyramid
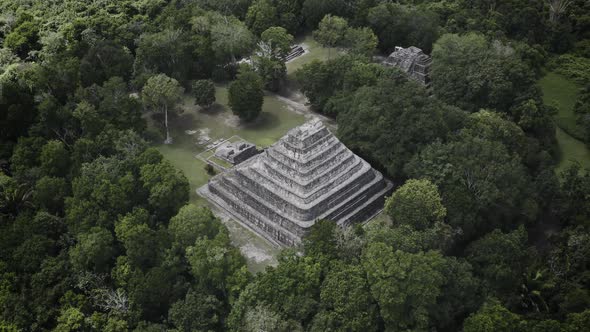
306, 176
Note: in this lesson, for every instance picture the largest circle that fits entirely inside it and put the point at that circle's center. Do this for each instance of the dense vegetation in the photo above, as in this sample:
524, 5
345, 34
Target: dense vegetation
482, 235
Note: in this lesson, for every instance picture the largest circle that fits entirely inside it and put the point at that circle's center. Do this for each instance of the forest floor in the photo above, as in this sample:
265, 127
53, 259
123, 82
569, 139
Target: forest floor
562, 93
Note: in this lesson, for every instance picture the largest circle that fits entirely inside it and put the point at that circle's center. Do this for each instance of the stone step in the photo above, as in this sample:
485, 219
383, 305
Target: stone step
255, 178
304, 163
302, 210
366, 210
302, 188
252, 219
331, 209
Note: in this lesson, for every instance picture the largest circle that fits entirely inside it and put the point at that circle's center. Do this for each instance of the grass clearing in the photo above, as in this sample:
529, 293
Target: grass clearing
561, 92
274, 122
572, 151
315, 52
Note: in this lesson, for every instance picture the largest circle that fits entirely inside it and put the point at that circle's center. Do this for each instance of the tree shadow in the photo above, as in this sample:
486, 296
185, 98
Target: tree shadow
265, 120
214, 110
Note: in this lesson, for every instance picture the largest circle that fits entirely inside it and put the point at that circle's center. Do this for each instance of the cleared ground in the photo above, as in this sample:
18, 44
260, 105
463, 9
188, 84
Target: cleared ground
562, 93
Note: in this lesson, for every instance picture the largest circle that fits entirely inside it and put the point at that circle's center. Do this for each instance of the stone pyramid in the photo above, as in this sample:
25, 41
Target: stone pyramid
306, 176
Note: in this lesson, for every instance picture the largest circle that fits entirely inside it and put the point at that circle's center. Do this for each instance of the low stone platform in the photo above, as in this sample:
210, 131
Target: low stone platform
307, 175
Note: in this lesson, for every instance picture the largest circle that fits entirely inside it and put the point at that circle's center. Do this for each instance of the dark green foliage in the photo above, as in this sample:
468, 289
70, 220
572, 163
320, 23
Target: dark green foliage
246, 95
94, 251
95, 233
167, 52
482, 185
204, 92
166, 187
197, 311
24, 38
338, 78
399, 25
50, 193
103, 61
346, 301
261, 15
390, 122
54, 158
499, 259
473, 73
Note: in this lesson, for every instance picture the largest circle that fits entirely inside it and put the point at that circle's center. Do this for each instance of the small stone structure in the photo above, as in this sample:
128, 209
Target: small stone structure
306, 176
236, 152
412, 61
296, 50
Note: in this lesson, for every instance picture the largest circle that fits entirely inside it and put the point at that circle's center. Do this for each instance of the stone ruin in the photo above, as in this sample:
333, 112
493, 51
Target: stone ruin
236, 152
306, 176
296, 50
412, 61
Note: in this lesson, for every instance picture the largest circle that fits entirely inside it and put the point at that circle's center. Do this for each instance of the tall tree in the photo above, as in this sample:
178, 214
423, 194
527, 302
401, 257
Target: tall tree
481, 184
473, 73
405, 285
204, 92
161, 93
331, 32
246, 95
261, 16
416, 203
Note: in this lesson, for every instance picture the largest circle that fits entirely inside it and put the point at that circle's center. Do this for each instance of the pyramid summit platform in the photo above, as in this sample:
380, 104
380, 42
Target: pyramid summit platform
307, 175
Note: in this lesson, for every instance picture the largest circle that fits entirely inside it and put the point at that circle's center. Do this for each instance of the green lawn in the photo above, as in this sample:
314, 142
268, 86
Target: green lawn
274, 122
559, 91
572, 150
316, 52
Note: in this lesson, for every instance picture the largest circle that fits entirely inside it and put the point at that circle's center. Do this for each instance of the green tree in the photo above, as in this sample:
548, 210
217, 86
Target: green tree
321, 240
400, 25
168, 51
204, 92
346, 301
161, 93
246, 95
50, 193
417, 203
481, 184
388, 127
582, 110
54, 158
94, 251
361, 41
231, 38
217, 265
278, 40
261, 15
24, 38
167, 188
405, 285
492, 316
104, 60
275, 290
191, 223
494, 82
500, 259
196, 312
331, 32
